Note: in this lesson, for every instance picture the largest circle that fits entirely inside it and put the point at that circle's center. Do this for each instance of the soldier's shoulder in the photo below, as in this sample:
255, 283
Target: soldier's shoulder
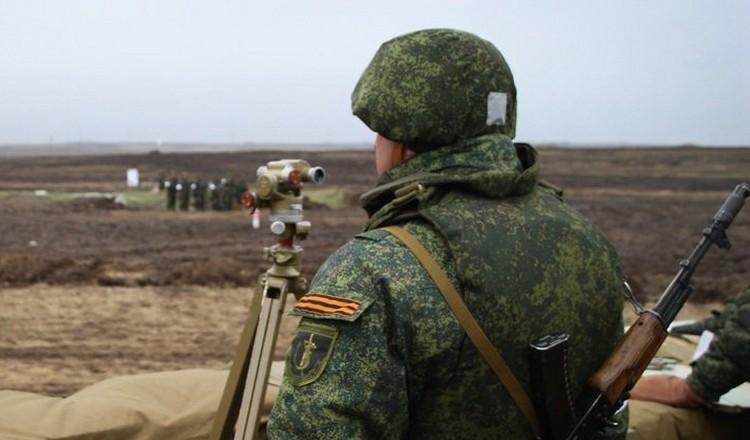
387, 250
380, 237
346, 283
365, 250
369, 238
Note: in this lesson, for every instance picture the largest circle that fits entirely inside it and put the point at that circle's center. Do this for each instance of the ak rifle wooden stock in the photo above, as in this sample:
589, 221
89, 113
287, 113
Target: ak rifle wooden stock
630, 357
639, 345
610, 385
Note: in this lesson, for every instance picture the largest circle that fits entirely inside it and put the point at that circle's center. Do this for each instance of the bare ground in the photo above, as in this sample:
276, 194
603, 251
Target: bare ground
91, 290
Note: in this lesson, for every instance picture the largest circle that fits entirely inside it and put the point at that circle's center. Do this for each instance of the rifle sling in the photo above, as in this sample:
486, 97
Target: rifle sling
489, 353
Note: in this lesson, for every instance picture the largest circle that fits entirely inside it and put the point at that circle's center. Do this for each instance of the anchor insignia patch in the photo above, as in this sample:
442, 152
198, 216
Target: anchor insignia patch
310, 351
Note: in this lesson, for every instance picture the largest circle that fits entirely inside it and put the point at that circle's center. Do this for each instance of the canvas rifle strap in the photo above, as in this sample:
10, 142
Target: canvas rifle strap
480, 340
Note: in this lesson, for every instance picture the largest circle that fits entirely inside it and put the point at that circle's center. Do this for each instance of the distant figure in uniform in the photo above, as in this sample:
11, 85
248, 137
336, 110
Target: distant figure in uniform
238, 187
183, 194
171, 186
199, 195
213, 196
724, 366
378, 352
225, 194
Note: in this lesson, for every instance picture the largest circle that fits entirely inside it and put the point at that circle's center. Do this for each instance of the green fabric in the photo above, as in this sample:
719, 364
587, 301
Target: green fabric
430, 88
726, 364
526, 264
487, 166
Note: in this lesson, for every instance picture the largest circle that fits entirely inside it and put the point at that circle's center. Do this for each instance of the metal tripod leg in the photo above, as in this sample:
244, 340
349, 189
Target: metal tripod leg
245, 389
223, 426
273, 301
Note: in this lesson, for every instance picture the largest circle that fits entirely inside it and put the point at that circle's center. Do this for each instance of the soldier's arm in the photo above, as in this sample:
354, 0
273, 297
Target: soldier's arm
343, 378
726, 364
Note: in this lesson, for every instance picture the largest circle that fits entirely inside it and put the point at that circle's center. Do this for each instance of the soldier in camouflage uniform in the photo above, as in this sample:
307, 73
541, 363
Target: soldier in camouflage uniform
213, 196
225, 195
238, 188
199, 195
183, 194
378, 353
171, 186
724, 366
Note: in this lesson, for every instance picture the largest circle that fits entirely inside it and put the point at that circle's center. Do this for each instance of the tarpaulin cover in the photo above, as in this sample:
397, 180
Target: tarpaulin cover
167, 405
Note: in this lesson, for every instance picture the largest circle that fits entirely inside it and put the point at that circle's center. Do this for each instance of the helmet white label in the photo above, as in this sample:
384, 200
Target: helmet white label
497, 103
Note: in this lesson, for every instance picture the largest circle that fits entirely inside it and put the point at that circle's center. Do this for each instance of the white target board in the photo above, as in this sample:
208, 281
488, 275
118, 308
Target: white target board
133, 178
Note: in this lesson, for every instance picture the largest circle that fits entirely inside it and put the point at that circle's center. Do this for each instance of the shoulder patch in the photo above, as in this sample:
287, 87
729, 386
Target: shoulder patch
311, 348
327, 306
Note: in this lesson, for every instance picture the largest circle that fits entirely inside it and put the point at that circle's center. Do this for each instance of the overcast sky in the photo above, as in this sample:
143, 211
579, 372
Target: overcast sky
657, 72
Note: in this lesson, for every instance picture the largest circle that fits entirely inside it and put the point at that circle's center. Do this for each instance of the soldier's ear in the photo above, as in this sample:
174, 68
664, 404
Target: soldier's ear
387, 154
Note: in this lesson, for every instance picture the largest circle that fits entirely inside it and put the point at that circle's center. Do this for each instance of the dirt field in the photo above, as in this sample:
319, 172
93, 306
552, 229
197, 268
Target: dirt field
91, 288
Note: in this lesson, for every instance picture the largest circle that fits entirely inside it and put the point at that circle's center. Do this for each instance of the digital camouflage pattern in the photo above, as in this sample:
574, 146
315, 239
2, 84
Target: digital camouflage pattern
429, 89
726, 364
378, 353
526, 264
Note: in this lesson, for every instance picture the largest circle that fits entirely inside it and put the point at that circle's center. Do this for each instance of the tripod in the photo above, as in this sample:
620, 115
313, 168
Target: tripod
279, 186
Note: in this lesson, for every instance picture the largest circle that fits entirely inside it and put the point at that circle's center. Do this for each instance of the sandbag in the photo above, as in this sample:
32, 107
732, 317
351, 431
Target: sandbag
167, 405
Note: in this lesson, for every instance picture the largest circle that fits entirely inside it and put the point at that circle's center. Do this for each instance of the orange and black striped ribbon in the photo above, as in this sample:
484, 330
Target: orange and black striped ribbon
327, 304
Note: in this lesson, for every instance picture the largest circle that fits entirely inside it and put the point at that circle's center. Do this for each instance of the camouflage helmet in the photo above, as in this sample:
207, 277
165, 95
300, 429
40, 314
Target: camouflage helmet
435, 87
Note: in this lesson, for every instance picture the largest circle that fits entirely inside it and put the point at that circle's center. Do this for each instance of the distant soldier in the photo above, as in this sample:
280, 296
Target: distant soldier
199, 195
225, 193
239, 187
183, 191
231, 197
171, 187
213, 196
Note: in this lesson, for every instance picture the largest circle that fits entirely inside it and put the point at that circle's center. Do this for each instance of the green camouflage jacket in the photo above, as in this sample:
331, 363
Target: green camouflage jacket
378, 353
726, 364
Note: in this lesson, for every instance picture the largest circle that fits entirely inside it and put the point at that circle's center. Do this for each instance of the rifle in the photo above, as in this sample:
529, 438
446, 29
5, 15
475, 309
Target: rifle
609, 387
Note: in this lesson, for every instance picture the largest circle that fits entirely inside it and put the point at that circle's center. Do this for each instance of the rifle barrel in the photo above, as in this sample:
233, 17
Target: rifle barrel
678, 291
638, 346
